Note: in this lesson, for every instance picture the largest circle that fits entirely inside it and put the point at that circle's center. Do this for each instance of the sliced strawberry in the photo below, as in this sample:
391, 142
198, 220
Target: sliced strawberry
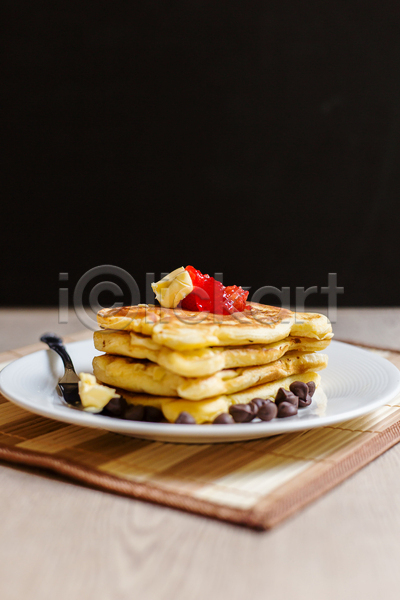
211, 296
238, 297
190, 302
198, 279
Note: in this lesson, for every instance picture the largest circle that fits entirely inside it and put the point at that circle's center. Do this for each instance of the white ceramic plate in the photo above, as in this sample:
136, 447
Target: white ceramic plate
355, 382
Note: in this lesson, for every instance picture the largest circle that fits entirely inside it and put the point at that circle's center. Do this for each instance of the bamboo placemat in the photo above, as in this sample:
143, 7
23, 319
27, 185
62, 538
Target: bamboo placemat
256, 483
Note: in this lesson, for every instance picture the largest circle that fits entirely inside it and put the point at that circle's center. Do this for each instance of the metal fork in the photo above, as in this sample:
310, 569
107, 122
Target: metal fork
68, 383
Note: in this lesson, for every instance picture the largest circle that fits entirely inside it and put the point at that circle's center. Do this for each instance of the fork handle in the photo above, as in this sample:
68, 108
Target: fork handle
55, 343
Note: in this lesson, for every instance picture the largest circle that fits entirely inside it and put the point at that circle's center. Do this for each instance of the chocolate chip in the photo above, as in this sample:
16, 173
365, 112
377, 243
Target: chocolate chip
223, 419
299, 389
268, 411
153, 414
311, 388
185, 419
258, 402
134, 412
115, 407
306, 402
286, 409
242, 413
283, 395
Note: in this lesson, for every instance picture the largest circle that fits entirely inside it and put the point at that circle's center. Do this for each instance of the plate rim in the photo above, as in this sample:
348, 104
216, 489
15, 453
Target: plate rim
195, 433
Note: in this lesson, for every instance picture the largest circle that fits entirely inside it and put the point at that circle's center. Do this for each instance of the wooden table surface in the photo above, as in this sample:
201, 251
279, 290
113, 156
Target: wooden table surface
63, 541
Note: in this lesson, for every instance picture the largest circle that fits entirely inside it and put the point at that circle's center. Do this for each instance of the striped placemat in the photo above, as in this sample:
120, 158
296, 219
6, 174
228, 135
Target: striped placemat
256, 483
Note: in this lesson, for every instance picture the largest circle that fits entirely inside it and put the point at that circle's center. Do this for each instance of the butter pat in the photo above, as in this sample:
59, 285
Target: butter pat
173, 288
94, 396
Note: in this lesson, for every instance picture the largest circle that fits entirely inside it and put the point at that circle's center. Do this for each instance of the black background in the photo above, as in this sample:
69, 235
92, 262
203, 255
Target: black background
260, 139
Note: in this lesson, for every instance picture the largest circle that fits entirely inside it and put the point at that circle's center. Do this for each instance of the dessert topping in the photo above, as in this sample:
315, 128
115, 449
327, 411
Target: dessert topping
243, 413
173, 288
184, 418
212, 296
286, 409
94, 396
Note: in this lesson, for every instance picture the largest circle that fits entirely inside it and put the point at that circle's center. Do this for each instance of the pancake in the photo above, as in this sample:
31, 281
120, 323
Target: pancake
311, 325
205, 411
144, 376
204, 361
128, 343
185, 330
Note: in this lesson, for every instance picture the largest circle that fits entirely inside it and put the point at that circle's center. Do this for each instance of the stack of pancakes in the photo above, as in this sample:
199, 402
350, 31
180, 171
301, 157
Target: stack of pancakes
202, 363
